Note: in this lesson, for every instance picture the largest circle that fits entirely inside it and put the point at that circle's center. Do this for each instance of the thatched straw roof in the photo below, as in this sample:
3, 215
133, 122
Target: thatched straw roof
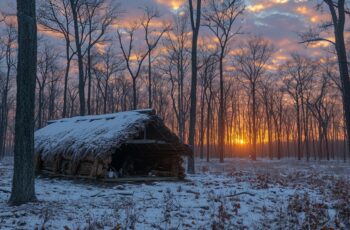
97, 136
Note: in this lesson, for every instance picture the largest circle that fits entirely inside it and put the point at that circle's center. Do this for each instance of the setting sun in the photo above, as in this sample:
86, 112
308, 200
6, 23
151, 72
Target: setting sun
240, 141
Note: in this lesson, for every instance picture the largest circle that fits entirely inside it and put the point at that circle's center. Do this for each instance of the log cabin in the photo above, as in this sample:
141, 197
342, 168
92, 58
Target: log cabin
120, 146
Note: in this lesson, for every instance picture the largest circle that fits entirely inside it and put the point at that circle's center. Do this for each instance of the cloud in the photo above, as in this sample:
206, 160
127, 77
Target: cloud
256, 8
172, 4
277, 20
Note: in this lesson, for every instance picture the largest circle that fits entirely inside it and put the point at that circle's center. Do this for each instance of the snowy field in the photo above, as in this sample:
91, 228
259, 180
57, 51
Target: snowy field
238, 194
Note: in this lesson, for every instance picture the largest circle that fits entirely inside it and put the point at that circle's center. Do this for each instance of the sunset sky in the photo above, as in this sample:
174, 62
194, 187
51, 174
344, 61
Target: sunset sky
276, 20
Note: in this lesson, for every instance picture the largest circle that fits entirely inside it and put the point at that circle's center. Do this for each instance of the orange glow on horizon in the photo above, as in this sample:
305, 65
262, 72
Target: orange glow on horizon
241, 142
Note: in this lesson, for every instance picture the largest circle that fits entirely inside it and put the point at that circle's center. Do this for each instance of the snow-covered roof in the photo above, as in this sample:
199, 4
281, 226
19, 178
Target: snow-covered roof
97, 136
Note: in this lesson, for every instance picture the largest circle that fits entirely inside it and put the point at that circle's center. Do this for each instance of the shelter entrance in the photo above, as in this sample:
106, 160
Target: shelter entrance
144, 158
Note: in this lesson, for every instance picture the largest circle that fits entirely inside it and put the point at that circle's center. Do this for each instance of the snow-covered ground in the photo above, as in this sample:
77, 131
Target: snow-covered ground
238, 194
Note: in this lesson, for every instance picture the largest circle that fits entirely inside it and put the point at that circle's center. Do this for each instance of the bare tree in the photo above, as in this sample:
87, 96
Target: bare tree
219, 17
23, 188
46, 66
298, 74
56, 16
195, 25
175, 64
123, 93
321, 107
104, 69
209, 97
251, 64
75, 10
53, 92
8, 43
132, 58
72, 93
98, 15
267, 91
208, 63
337, 10
278, 115
152, 38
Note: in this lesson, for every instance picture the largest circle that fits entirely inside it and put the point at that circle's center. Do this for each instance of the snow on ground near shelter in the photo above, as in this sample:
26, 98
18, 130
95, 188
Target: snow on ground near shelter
238, 194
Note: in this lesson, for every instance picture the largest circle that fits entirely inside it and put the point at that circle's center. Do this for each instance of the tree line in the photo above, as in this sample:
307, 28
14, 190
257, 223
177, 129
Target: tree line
237, 100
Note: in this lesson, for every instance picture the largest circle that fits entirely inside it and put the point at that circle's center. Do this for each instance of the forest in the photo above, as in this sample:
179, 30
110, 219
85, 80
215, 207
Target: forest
259, 90
250, 101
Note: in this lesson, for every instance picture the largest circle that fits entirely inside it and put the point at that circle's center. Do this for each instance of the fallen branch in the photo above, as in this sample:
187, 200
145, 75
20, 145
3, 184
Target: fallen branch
97, 194
241, 193
125, 193
193, 192
7, 226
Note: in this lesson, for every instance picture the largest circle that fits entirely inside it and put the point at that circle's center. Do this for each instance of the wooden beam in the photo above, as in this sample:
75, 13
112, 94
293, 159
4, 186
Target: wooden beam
145, 141
122, 179
142, 179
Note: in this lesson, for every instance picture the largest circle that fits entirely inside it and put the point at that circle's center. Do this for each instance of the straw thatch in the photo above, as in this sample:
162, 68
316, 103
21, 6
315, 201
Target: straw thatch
88, 144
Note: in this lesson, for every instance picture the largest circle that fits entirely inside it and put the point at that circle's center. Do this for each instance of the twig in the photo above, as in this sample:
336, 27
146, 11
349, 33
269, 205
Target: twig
125, 193
97, 194
241, 193
196, 193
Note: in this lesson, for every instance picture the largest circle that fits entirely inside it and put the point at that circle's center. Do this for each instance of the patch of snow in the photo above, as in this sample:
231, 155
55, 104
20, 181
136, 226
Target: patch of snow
250, 195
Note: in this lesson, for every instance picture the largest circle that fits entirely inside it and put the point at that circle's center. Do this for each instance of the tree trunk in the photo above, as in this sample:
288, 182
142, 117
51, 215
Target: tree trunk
180, 97
74, 8
52, 98
305, 116
134, 93
269, 129
208, 129
66, 75
298, 130
193, 99
89, 79
288, 147
23, 187
254, 122
105, 94
201, 134
149, 80
221, 110
195, 24
343, 62
3, 125
40, 109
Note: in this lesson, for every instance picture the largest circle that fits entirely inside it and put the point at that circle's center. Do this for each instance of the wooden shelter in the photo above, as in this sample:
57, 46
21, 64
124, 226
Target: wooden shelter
132, 144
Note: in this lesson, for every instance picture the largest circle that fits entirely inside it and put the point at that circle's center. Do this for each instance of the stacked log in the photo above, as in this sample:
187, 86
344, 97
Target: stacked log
162, 160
